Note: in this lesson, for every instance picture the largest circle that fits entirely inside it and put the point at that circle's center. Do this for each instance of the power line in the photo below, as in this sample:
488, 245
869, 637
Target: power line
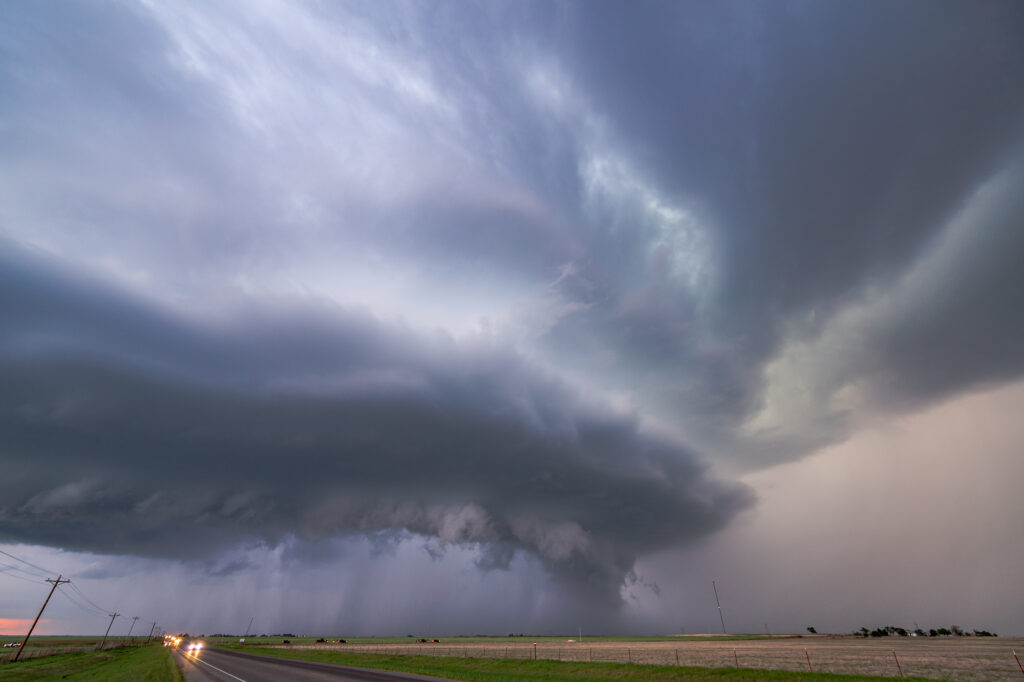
28, 563
82, 595
12, 567
89, 606
80, 605
5, 567
28, 580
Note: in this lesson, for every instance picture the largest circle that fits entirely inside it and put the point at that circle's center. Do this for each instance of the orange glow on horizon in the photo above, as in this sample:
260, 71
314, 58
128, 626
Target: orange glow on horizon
18, 627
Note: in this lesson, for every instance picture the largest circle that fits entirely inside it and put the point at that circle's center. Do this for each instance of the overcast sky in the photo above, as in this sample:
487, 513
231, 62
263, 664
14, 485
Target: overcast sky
512, 317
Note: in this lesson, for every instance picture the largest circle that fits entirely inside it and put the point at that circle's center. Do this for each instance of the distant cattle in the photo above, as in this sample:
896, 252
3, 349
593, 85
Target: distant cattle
286, 641
436, 641
321, 641
341, 641
423, 641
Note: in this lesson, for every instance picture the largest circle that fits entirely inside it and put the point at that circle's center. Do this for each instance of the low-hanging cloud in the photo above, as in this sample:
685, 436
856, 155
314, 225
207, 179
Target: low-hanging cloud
148, 433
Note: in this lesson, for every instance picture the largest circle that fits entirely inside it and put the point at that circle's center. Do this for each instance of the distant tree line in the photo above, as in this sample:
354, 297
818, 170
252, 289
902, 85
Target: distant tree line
951, 631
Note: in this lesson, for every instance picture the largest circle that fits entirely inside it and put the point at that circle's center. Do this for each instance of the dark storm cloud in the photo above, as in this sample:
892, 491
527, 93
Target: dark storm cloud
827, 145
411, 239
141, 432
827, 141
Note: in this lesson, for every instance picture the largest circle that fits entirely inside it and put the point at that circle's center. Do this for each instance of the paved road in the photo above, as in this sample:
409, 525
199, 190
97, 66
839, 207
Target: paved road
219, 665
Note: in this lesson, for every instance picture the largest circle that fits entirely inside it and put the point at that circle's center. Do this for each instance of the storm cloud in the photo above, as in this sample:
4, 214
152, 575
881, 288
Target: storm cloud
160, 436
516, 279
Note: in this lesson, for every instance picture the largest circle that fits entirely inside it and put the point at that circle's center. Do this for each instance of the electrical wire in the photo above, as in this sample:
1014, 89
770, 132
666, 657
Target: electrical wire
77, 603
11, 567
14, 575
27, 563
6, 569
90, 601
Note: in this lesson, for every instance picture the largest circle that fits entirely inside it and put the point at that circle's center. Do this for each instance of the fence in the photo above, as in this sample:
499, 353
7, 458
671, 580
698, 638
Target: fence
962, 660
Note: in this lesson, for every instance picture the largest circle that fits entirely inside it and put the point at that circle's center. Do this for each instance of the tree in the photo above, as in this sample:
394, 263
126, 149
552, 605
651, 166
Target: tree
812, 631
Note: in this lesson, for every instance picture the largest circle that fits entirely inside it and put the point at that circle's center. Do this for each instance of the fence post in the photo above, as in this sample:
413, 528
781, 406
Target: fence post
735, 658
808, 661
629, 653
1018, 661
898, 666
677, 656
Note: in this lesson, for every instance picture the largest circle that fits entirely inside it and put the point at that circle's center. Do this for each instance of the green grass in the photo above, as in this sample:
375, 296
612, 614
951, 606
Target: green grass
502, 670
63, 644
151, 663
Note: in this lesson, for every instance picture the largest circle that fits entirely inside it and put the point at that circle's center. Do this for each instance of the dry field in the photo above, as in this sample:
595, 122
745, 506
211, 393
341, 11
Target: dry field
957, 658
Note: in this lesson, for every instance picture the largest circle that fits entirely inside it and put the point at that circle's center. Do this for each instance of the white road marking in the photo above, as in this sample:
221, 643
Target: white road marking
196, 659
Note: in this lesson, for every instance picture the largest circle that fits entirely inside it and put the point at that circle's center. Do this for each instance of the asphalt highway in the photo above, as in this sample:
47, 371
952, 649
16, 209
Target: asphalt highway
219, 665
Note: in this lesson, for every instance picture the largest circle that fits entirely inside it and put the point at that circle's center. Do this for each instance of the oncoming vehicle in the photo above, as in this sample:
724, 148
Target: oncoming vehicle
191, 646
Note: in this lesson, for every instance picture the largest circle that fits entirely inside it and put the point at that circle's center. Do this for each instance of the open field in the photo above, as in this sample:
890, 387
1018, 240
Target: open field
151, 663
957, 658
47, 645
529, 670
497, 640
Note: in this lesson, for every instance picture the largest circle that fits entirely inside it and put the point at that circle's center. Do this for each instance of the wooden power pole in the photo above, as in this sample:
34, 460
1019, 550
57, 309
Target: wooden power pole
134, 618
56, 582
112, 617
719, 605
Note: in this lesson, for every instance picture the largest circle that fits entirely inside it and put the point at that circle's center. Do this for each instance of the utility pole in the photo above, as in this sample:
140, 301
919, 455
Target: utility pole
151, 632
112, 617
719, 605
248, 626
56, 582
134, 618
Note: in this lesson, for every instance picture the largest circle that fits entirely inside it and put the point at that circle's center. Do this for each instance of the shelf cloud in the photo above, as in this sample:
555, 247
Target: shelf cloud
514, 281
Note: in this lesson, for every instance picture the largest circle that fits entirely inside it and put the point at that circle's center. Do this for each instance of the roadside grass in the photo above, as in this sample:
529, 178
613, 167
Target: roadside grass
509, 670
46, 645
151, 663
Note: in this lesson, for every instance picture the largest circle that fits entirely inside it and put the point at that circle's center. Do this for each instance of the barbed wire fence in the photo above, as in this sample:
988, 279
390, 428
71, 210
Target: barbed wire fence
888, 660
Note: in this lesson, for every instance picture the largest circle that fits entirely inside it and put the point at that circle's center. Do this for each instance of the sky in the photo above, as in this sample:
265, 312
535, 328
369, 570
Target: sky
446, 317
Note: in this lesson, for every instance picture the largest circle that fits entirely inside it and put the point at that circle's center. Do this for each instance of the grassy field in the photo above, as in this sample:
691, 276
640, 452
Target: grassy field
957, 658
502, 670
45, 645
151, 663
